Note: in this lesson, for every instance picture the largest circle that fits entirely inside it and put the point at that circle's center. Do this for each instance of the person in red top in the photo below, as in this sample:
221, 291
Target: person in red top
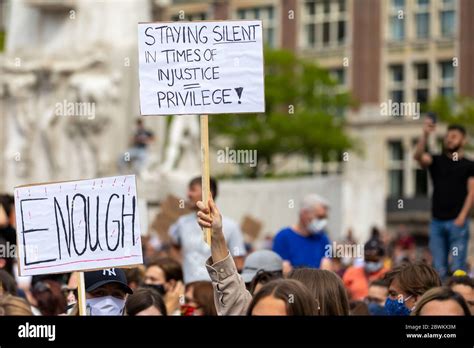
357, 278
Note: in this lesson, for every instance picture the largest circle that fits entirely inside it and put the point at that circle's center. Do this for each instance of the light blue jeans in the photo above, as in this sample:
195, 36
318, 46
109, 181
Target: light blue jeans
447, 239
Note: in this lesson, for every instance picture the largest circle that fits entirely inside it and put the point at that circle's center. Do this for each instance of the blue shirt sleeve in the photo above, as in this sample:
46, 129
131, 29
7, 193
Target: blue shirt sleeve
280, 246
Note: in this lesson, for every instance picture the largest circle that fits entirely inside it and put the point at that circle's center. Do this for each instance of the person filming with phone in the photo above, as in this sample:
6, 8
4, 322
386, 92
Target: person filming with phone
453, 193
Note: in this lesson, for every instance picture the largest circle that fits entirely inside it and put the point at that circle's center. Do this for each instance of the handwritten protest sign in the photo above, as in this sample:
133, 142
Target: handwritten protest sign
78, 225
201, 67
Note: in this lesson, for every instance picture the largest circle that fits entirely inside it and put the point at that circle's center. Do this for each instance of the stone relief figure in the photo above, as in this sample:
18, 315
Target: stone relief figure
94, 96
57, 56
36, 94
22, 114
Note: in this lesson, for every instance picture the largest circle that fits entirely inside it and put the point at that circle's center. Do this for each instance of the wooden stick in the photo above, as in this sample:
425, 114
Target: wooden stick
205, 184
81, 293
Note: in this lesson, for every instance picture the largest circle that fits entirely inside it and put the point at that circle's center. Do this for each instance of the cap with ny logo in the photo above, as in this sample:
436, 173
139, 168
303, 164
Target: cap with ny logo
95, 279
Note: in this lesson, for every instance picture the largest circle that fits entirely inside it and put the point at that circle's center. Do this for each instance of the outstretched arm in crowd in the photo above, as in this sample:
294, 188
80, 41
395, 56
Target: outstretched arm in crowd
230, 295
421, 156
210, 217
461, 218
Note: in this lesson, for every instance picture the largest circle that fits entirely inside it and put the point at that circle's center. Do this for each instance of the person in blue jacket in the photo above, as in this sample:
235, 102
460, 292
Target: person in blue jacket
304, 244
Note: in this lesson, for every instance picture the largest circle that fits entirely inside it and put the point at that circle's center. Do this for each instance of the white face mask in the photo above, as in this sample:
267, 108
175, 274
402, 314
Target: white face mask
106, 305
372, 267
317, 225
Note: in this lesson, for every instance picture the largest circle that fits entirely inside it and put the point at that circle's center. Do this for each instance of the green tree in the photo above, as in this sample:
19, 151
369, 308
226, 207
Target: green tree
458, 110
304, 115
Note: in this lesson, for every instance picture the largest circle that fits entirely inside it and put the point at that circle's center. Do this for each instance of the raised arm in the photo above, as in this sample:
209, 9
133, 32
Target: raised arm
230, 295
421, 156
210, 217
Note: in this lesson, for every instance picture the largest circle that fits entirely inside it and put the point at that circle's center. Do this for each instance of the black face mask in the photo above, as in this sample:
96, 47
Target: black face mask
158, 287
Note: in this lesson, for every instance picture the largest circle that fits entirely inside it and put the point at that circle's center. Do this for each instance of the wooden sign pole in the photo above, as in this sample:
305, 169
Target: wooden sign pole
81, 293
205, 183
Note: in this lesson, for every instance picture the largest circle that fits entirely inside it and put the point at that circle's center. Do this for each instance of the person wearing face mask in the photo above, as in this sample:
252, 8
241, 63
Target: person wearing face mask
166, 276
357, 278
199, 300
406, 284
231, 296
304, 244
106, 292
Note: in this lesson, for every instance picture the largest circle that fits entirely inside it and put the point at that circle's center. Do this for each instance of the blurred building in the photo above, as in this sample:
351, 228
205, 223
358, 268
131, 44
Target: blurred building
68, 88
399, 51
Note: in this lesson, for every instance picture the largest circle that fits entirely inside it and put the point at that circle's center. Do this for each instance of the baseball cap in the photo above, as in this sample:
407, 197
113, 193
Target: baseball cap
96, 279
265, 260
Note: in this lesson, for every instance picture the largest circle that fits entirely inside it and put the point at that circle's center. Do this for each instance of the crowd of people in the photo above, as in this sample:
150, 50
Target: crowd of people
298, 276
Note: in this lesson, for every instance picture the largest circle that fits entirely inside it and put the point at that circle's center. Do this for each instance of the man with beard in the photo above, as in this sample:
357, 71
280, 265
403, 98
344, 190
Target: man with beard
453, 194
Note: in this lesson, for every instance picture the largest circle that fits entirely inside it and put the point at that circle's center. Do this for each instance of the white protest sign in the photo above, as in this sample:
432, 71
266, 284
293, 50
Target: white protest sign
78, 225
201, 67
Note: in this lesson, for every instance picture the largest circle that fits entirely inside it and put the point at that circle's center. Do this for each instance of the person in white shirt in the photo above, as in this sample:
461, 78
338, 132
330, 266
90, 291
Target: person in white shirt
187, 237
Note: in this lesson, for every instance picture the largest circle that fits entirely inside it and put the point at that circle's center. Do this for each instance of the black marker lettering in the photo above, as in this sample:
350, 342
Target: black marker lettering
107, 224
67, 235
97, 240
84, 202
147, 35
24, 232
132, 214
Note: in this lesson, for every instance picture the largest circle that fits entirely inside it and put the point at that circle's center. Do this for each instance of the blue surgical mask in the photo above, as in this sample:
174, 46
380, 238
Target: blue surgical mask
317, 225
397, 307
372, 267
106, 305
